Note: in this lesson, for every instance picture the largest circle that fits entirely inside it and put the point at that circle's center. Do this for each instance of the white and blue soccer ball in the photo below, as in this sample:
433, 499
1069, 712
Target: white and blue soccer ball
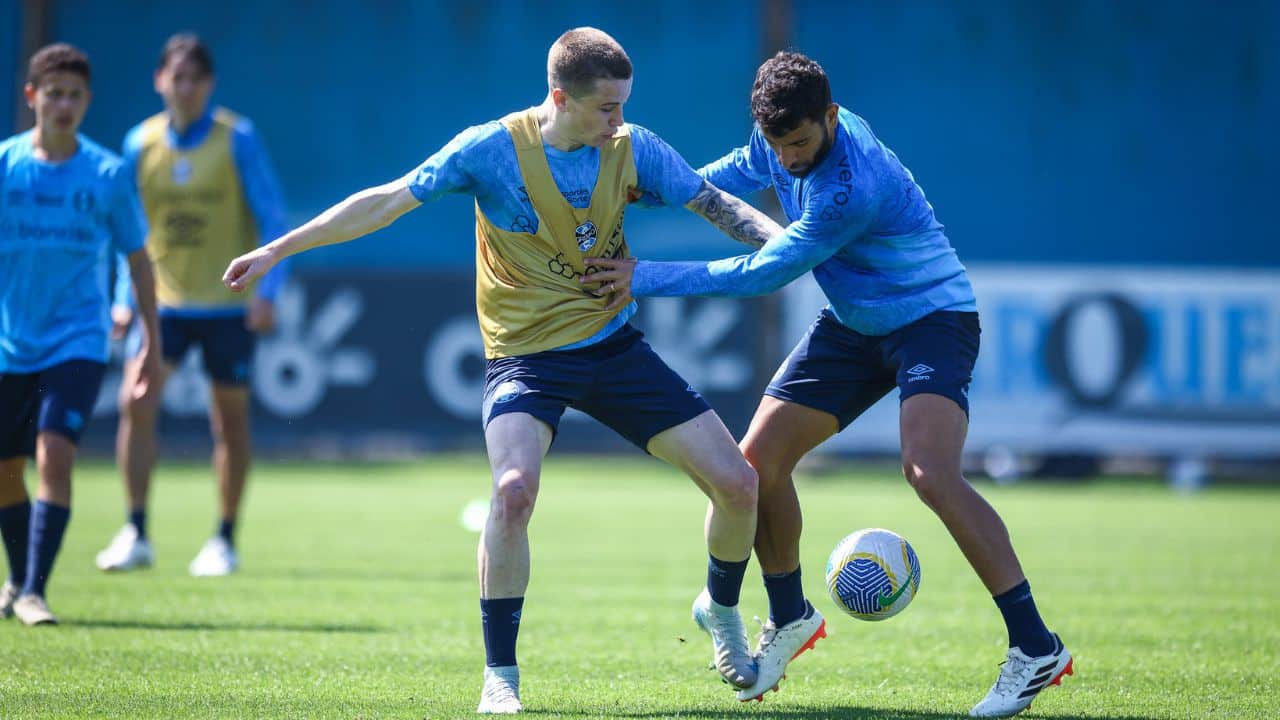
873, 574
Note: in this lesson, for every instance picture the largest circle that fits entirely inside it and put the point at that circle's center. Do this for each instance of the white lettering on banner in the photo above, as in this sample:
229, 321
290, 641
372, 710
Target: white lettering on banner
444, 360
1107, 359
295, 367
686, 340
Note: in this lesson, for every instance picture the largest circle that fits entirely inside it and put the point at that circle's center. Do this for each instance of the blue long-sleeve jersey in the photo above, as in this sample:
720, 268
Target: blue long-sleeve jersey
858, 221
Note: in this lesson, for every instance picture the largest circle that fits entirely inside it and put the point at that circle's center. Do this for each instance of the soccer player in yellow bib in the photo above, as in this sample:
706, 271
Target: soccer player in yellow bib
209, 193
551, 184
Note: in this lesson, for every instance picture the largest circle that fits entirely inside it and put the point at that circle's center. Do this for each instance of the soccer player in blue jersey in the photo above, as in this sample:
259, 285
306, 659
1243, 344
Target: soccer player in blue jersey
210, 194
551, 185
66, 208
901, 313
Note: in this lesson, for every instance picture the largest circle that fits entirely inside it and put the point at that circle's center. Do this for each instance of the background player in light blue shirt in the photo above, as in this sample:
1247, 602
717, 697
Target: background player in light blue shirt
66, 209
901, 313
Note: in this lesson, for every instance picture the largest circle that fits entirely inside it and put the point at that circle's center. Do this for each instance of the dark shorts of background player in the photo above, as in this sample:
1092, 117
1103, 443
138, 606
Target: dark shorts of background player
619, 381
226, 345
843, 372
57, 399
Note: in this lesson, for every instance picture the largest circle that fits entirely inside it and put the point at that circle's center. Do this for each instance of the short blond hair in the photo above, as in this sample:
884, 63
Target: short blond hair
583, 55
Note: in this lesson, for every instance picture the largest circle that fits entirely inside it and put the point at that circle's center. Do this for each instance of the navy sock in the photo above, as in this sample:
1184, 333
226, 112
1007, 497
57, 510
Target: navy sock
15, 527
48, 524
1026, 629
138, 519
724, 580
226, 530
786, 597
500, 621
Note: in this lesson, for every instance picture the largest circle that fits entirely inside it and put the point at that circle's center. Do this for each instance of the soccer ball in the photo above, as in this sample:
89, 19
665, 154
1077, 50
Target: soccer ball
873, 574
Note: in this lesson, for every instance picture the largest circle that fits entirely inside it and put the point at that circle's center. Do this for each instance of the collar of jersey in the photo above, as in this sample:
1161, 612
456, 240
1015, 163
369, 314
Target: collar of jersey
193, 134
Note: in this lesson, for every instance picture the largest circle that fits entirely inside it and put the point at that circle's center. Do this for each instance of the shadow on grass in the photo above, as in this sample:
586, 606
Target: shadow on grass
843, 712
225, 626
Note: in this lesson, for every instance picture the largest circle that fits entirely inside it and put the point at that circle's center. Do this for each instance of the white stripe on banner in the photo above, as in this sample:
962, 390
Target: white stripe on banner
1104, 359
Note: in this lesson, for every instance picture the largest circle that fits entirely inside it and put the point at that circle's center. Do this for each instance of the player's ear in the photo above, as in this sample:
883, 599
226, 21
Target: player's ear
833, 115
29, 92
155, 79
559, 98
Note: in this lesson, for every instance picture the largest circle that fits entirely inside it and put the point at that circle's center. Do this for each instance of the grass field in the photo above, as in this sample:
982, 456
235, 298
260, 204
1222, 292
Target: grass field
357, 599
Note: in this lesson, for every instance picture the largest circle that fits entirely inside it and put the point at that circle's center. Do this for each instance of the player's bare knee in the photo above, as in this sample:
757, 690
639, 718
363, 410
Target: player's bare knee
772, 478
738, 489
930, 482
513, 497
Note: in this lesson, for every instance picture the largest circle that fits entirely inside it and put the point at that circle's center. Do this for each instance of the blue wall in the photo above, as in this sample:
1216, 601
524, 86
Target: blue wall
10, 63
1089, 130
1134, 132
349, 99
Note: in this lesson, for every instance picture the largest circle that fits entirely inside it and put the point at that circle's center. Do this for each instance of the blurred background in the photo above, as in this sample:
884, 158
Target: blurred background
1103, 169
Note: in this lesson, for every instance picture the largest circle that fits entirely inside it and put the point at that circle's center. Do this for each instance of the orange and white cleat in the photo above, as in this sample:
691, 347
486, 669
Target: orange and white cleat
1021, 679
778, 646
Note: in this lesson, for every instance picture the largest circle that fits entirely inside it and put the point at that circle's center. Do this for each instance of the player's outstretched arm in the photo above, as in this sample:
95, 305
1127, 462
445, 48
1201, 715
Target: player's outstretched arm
360, 214
734, 217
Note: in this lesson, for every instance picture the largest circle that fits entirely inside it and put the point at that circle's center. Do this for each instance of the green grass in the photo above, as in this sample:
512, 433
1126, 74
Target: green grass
358, 599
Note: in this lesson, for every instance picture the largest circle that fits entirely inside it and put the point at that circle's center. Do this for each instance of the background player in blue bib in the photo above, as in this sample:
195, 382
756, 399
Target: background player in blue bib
901, 313
66, 210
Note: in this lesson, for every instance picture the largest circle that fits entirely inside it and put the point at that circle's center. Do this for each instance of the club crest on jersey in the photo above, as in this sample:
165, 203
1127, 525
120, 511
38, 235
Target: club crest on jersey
586, 235
182, 171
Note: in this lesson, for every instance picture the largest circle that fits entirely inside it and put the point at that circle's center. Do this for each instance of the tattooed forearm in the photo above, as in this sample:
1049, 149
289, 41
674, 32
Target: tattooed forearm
734, 217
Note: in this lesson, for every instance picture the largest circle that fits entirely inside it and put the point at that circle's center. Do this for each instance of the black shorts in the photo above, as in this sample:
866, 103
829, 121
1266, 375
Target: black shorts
226, 345
619, 381
57, 399
841, 371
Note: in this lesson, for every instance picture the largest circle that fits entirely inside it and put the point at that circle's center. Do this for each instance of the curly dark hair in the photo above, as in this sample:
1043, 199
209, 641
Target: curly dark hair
183, 46
58, 57
789, 89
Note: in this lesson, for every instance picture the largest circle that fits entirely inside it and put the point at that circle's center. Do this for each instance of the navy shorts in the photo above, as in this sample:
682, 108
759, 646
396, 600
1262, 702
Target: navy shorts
226, 345
843, 372
57, 399
619, 381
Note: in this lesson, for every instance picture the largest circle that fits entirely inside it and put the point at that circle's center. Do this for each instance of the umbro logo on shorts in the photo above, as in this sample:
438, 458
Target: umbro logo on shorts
918, 372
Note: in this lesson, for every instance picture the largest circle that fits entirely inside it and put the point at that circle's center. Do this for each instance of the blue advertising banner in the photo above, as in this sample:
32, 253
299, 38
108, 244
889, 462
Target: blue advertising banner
390, 363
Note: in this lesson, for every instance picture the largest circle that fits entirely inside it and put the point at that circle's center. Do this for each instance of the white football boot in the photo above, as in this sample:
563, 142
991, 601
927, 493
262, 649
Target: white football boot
215, 559
501, 693
1021, 679
8, 593
33, 610
731, 654
779, 646
126, 552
